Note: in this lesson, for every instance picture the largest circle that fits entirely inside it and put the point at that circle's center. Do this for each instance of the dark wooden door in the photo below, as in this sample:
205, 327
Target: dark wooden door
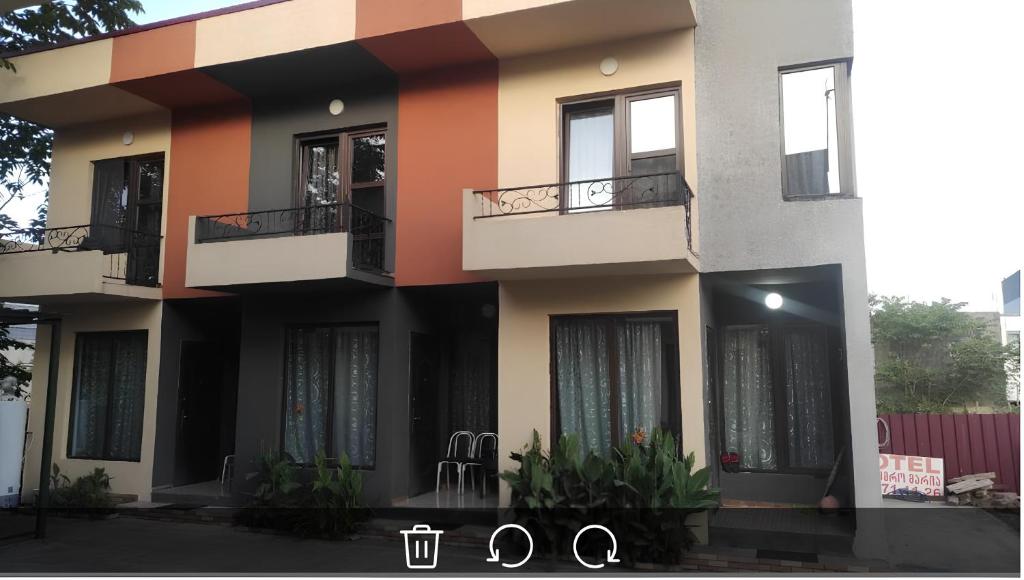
200, 386
424, 446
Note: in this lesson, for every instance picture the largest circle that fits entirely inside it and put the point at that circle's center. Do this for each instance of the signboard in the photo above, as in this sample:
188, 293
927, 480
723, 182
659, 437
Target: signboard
907, 473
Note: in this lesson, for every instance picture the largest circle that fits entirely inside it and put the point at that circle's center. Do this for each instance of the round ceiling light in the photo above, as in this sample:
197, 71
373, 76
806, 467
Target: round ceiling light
609, 66
773, 300
336, 107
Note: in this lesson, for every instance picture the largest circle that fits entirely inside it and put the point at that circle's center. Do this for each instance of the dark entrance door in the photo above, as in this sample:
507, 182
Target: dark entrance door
200, 404
424, 445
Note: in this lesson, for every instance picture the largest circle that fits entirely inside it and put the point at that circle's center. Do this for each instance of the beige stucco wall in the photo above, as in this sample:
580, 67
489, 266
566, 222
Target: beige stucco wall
126, 476
529, 87
57, 71
524, 360
265, 260
274, 29
648, 240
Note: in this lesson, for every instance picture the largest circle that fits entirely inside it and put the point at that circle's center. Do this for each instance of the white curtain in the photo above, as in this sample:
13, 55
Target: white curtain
808, 397
748, 402
591, 158
307, 370
584, 392
355, 386
639, 346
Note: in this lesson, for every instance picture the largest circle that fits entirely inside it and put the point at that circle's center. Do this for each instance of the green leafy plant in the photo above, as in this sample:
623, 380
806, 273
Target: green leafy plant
88, 494
644, 490
332, 508
327, 505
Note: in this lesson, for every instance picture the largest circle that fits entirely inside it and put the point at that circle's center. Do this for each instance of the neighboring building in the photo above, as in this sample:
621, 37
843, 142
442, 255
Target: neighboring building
1010, 327
317, 224
26, 335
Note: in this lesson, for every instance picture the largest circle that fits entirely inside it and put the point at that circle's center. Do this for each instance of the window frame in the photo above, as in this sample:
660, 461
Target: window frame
673, 386
344, 138
844, 129
331, 459
76, 373
620, 100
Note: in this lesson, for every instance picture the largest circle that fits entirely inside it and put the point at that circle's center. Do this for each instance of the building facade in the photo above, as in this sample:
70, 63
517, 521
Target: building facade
357, 226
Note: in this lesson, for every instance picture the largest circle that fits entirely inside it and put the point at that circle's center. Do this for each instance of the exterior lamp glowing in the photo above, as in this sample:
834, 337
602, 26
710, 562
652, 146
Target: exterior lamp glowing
773, 300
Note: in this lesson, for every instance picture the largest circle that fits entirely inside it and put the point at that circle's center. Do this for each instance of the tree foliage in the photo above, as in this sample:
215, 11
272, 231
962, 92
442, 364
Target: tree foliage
933, 357
24, 146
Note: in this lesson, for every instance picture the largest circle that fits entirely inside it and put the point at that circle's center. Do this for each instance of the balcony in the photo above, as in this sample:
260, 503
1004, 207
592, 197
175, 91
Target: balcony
323, 243
639, 224
79, 263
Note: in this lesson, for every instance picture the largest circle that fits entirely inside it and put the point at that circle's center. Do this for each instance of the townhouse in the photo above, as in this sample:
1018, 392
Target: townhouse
361, 225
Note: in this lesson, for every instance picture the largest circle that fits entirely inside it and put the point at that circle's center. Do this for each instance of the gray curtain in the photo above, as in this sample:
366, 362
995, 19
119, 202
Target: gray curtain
583, 382
110, 389
808, 397
110, 205
469, 400
307, 369
639, 346
748, 405
355, 387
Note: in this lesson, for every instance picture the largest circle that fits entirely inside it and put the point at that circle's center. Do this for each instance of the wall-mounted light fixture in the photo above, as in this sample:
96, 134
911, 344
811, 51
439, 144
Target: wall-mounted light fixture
609, 66
128, 138
336, 107
773, 300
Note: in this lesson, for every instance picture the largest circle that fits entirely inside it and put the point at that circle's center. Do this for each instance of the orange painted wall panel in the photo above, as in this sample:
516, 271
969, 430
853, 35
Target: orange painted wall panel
210, 153
379, 17
153, 52
447, 141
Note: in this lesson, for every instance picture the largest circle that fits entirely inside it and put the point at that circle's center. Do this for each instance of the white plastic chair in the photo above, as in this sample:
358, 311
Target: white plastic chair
481, 451
460, 449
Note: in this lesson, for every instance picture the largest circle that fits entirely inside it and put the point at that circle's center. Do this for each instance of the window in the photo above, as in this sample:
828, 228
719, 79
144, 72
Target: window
331, 393
108, 398
337, 168
613, 376
629, 134
127, 196
127, 206
776, 397
817, 147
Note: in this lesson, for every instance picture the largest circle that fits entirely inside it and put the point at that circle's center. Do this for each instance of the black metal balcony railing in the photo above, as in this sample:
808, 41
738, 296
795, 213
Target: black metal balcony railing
368, 229
132, 256
616, 193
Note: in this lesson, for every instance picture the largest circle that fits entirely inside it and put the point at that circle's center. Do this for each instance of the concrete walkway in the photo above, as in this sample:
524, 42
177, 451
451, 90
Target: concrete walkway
133, 545
963, 540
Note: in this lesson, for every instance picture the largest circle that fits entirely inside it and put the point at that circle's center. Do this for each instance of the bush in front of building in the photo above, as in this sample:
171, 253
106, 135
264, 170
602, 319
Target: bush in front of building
323, 503
87, 495
645, 490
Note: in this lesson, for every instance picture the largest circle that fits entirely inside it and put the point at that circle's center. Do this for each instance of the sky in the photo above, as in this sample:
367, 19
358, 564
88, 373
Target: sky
937, 121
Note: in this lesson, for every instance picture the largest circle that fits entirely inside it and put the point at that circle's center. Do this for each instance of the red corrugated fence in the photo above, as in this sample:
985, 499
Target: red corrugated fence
974, 443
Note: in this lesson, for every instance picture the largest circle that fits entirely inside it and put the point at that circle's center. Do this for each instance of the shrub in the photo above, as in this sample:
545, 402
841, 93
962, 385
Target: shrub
327, 506
644, 491
89, 493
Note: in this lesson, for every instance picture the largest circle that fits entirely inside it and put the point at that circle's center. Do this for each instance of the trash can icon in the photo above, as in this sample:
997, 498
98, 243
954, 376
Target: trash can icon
421, 547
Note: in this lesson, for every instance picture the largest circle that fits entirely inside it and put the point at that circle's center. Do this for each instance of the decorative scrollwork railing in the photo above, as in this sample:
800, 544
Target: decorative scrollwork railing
367, 228
630, 192
132, 256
